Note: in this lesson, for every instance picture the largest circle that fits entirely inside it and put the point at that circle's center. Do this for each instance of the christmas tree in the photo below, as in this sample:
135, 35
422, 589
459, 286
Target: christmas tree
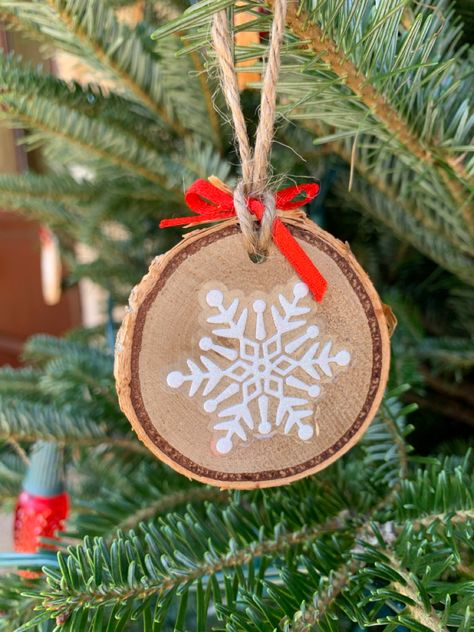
374, 101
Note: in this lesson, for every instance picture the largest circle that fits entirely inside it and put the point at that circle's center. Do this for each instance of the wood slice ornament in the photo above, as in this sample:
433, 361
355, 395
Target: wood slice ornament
231, 373
252, 371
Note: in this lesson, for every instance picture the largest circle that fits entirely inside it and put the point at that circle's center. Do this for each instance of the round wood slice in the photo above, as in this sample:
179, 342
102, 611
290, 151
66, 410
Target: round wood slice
230, 371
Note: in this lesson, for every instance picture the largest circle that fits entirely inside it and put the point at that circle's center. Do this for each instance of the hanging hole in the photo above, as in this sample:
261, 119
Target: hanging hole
258, 257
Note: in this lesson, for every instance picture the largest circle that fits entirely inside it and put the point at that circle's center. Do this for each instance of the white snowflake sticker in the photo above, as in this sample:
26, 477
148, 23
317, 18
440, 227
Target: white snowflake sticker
256, 373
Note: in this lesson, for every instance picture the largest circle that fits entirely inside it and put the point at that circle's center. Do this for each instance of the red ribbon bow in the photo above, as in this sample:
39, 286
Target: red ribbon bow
212, 204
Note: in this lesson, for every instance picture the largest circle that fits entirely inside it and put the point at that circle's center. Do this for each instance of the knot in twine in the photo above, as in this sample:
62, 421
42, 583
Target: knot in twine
255, 164
257, 238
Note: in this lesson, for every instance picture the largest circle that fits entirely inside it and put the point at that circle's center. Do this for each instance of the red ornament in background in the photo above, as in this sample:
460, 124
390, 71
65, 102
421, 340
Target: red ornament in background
43, 505
38, 517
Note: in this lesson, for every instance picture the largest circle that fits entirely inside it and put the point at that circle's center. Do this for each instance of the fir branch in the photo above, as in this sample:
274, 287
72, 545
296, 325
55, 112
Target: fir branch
385, 446
383, 546
43, 348
28, 422
98, 125
68, 365
444, 488
11, 22
347, 588
373, 202
168, 582
16, 607
45, 187
415, 606
311, 614
152, 79
19, 382
76, 17
148, 491
338, 580
429, 223
461, 516
25, 421
25, 119
62, 375
390, 420
300, 22
92, 101
19, 450
169, 502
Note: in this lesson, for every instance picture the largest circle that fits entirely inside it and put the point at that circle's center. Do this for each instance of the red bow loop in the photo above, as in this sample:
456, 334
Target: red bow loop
290, 198
203, 197
209, 203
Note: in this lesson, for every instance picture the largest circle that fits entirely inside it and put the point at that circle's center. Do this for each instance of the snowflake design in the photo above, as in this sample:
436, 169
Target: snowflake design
256, 370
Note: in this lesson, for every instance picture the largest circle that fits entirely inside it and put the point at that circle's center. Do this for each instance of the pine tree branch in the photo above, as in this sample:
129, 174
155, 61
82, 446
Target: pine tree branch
74, 25
19, 382
60, 219
11, 21
179, 555
442, 240
146, 492
95, 598
417, 609
45, 194
24, 421
398, 439
340, 578
17, 608
379, 183
373, 202
80, 376
19, 450
129, 445
460, 516
311, 34
466, 570
120, 161
313, 614
170, 501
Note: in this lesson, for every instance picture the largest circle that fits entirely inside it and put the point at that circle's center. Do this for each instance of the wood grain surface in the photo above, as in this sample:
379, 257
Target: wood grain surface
167, 320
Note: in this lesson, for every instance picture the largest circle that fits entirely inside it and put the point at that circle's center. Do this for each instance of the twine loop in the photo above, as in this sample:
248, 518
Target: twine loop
255, 164
252, 202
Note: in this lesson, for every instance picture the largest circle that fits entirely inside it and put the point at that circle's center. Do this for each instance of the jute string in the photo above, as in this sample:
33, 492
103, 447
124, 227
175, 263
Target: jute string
255, 164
